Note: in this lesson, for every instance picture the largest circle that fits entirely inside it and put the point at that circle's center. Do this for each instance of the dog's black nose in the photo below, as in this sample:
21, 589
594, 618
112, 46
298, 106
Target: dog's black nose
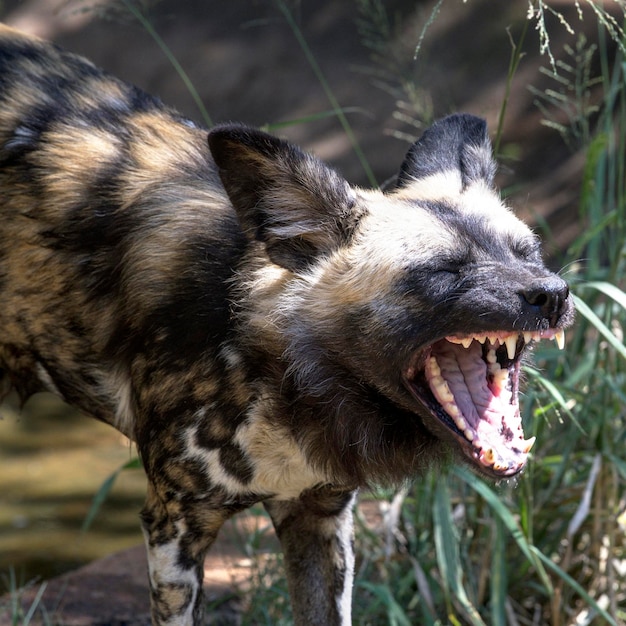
548, 296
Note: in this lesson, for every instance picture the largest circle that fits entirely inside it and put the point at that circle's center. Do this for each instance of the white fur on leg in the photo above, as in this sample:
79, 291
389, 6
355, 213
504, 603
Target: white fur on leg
174, 590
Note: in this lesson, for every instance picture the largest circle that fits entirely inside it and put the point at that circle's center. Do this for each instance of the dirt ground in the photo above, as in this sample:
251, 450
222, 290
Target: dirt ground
246, 64
113, 591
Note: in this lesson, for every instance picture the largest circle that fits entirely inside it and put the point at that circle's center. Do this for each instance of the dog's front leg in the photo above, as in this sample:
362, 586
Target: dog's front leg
178, 533
315, 532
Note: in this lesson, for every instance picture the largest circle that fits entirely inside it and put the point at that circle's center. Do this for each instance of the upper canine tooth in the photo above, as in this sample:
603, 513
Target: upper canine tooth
528, 444
559, 337
511, 344
466, 342
528, 337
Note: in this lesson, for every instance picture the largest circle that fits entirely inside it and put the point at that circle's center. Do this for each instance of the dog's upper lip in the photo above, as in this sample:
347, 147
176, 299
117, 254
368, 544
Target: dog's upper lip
469, 382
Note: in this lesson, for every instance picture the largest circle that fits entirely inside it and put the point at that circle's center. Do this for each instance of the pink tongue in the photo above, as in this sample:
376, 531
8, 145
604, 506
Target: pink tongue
466, 375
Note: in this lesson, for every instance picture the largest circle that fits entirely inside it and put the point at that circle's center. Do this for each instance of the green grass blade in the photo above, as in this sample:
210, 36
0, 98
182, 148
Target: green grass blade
608, 289
574, 585
554, 392
317, 70
498, 582
34, 604
274, 126
429, 22
448, 556
103, 493
141, 18
600, 326
14, 597
384, 596
620, 465
509, 521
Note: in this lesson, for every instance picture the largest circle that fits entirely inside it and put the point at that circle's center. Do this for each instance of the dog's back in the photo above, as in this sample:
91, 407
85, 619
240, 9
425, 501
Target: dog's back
107, 198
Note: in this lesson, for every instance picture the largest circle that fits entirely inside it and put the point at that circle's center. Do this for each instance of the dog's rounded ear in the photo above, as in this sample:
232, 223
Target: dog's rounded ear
288, 199
457, 143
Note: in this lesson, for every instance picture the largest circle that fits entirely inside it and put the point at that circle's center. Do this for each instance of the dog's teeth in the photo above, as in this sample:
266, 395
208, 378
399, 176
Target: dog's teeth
466, 342
461, 424
528, 444
452, 409
481, 338
500, 377
528, 337
489, 456
491, 357
442, 392
469, 435
443, 389
511, 344
434, 368
559, 337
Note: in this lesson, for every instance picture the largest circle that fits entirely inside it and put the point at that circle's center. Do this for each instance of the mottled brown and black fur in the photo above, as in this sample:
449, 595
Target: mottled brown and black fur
257, 326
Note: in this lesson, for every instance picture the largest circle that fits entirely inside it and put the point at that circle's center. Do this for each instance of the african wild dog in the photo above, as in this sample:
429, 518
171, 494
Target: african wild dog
261, 329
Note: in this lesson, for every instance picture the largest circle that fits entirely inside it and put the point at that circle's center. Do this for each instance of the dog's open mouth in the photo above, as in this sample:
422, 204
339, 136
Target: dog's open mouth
470, 383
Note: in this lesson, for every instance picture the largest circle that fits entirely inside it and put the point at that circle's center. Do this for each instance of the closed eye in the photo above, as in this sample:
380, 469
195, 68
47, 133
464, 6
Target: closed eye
528, 249
448, 268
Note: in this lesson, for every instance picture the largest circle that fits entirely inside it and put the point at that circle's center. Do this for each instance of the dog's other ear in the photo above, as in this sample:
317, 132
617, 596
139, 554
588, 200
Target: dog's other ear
457, 143
290, 200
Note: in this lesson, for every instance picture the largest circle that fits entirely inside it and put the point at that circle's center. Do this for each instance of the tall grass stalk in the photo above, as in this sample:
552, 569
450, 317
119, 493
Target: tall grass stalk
319, 74
134, 10
18, 613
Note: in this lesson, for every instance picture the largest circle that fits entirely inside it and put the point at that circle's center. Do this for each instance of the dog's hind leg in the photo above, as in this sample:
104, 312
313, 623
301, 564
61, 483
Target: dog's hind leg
315, 532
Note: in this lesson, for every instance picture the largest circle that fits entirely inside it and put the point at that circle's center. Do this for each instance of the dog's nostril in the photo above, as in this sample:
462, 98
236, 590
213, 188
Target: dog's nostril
549, 296
539, 299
